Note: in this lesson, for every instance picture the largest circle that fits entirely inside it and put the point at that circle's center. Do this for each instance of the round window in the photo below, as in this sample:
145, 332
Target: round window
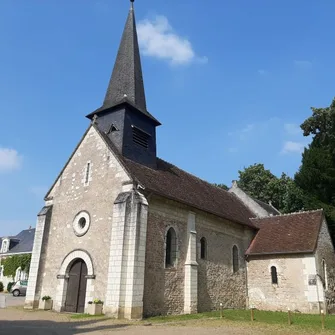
81, 223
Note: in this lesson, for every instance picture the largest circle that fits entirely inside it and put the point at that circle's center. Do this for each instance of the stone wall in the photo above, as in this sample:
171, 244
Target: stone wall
325, 251
164, 288
292, 291
72, 195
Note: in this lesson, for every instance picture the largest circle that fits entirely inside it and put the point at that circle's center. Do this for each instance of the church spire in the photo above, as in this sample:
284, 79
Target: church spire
126, 82
123, 117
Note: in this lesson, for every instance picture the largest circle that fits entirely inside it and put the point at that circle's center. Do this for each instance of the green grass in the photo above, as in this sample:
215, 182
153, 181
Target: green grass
307, 321
86, 316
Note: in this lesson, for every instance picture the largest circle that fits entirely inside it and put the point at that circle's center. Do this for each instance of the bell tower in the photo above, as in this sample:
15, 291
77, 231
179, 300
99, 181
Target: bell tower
123, 116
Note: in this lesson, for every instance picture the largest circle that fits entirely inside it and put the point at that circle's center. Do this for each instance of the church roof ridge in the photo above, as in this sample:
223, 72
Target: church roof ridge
289, 214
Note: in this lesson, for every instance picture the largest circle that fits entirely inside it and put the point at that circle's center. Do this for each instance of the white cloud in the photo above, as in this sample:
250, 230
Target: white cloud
9, 160
293, 147
158, 39
303, 64
292, 129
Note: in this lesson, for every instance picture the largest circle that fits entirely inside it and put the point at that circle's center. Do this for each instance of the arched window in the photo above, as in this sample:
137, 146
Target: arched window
235, 259
203, 248
171, 248
274, 277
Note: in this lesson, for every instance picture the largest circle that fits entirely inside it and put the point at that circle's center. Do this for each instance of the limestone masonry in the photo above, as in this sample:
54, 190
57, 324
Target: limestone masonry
147, 238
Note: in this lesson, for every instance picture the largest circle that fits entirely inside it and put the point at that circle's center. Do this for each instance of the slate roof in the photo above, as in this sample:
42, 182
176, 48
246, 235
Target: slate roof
270, 209
287, 234
173, 183
24, 242
126, 82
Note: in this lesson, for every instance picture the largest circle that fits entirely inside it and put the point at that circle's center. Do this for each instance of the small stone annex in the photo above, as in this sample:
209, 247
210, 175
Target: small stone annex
122, 225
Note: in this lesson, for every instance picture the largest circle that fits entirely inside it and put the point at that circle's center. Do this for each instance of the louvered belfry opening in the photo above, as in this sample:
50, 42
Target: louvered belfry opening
140, 137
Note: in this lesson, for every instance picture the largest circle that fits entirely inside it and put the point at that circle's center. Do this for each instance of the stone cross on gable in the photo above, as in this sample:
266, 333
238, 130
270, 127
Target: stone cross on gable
94, 120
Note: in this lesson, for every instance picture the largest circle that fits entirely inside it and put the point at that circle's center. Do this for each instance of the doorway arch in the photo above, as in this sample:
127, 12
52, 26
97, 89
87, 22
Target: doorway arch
63, 277
76, 287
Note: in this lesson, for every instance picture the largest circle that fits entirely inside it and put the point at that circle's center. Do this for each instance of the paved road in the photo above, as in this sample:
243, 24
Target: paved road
13, 301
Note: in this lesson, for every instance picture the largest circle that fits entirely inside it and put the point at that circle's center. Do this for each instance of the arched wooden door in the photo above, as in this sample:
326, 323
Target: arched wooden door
76, 287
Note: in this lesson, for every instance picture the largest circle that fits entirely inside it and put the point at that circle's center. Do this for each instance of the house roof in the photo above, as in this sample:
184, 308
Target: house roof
25, 241
287, 234
171, 182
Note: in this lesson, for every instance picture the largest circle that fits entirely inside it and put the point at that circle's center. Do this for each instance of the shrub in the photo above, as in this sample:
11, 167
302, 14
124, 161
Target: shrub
46, 298
98, 301
9, 285
1, 286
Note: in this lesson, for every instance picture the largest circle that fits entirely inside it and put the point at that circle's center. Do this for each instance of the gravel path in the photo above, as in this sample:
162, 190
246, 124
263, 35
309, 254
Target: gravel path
17, 321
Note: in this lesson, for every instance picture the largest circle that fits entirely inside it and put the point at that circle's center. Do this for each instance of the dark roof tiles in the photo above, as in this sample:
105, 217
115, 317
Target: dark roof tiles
25, 242
286, 234
169, 181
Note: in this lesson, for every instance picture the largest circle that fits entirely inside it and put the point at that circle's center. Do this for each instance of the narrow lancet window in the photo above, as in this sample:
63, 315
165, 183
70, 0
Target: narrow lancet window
87, 173
274, 276
203, 247
171, 248
235, 259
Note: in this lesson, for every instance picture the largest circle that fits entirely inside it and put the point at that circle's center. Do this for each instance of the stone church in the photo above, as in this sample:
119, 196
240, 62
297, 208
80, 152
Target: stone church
122, 225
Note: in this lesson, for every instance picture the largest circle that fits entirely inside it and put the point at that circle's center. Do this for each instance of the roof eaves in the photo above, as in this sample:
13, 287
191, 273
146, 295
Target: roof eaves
104, 109
280, 253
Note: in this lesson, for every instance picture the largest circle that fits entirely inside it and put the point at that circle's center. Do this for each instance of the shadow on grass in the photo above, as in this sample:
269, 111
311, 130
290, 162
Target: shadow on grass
46, 327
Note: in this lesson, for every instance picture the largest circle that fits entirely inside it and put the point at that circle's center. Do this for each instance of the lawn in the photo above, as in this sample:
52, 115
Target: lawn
299, 320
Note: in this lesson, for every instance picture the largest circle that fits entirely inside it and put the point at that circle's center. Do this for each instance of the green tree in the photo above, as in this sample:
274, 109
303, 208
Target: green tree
224, 186
316, 175
254, 180
263, 185
12, 263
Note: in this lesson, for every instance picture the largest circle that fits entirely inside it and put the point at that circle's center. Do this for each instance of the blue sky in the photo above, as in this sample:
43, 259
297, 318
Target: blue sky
231, 81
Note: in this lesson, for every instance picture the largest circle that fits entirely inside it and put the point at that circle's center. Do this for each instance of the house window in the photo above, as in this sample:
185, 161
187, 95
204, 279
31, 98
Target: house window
18, 274
171, 248
203, 248
274, 276
87, 173
235, 259
5, 245
140, 137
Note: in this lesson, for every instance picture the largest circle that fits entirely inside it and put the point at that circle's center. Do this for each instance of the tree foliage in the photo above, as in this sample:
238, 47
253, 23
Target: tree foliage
316, 175
12, 263
223, 186
263, 185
